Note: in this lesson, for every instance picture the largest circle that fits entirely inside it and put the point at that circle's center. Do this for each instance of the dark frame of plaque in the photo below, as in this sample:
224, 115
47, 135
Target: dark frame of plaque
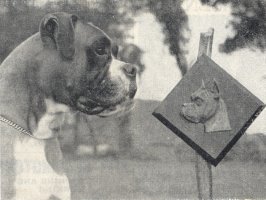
241, 108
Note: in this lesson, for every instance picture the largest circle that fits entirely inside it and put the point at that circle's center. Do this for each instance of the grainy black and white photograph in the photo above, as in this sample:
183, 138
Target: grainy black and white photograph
132, 99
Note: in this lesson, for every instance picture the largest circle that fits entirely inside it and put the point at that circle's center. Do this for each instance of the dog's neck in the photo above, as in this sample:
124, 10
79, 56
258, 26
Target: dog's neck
14, 91
219, 122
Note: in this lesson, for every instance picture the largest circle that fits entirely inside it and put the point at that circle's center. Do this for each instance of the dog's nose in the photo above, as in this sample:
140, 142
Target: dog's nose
130, 70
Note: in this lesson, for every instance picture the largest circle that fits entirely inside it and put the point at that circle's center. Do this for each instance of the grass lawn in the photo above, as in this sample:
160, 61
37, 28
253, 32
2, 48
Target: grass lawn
109, 178
161, 168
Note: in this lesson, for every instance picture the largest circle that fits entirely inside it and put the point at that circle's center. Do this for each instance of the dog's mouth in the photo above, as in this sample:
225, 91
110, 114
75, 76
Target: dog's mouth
92, 107
89, 106
119, 109
188, 116
192, 119
107, 101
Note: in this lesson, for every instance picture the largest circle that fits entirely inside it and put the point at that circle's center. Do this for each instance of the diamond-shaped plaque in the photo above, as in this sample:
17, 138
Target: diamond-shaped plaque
209, 110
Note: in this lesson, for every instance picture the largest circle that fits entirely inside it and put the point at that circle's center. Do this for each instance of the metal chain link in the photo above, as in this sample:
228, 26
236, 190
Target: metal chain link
15, 126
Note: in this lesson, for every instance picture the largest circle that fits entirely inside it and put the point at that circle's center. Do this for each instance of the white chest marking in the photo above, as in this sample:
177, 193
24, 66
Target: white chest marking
35, 178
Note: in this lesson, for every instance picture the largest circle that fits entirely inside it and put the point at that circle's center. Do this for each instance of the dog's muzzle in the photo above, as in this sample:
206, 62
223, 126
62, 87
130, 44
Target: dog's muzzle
114, 94
190, 112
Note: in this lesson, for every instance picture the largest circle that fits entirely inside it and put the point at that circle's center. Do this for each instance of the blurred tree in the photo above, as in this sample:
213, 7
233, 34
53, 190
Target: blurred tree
16, 26
249, 23
10, 6
174, 21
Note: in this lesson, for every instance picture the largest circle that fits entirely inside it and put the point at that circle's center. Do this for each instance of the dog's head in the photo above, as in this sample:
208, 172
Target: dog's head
79, 67
204, 103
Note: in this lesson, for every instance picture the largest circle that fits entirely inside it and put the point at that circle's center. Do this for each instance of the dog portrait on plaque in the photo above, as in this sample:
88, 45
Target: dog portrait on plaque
207, 107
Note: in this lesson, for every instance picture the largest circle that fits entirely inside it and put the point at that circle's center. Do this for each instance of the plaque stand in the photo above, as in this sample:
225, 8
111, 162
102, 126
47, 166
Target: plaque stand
213, 110
202, 167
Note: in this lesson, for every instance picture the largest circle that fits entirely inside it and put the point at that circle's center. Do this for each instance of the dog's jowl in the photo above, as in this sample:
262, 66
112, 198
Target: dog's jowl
68, 65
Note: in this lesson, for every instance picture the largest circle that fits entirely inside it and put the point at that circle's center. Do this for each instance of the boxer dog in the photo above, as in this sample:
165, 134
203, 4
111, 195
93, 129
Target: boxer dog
68, 65
207, 107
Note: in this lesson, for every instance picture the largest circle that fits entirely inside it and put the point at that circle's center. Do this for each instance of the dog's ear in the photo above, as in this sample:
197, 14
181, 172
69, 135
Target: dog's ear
115, 50
57, 31
214, 88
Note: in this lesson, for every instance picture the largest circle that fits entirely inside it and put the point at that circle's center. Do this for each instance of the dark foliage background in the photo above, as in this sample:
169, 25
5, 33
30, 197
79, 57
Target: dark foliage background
175, 24
249, 23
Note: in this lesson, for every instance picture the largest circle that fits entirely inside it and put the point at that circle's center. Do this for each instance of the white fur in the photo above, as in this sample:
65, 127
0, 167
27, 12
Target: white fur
35, 178
53, 110
117, 72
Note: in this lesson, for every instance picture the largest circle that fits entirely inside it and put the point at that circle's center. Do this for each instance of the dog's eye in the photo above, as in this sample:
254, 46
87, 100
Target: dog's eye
198, 101
100, 50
